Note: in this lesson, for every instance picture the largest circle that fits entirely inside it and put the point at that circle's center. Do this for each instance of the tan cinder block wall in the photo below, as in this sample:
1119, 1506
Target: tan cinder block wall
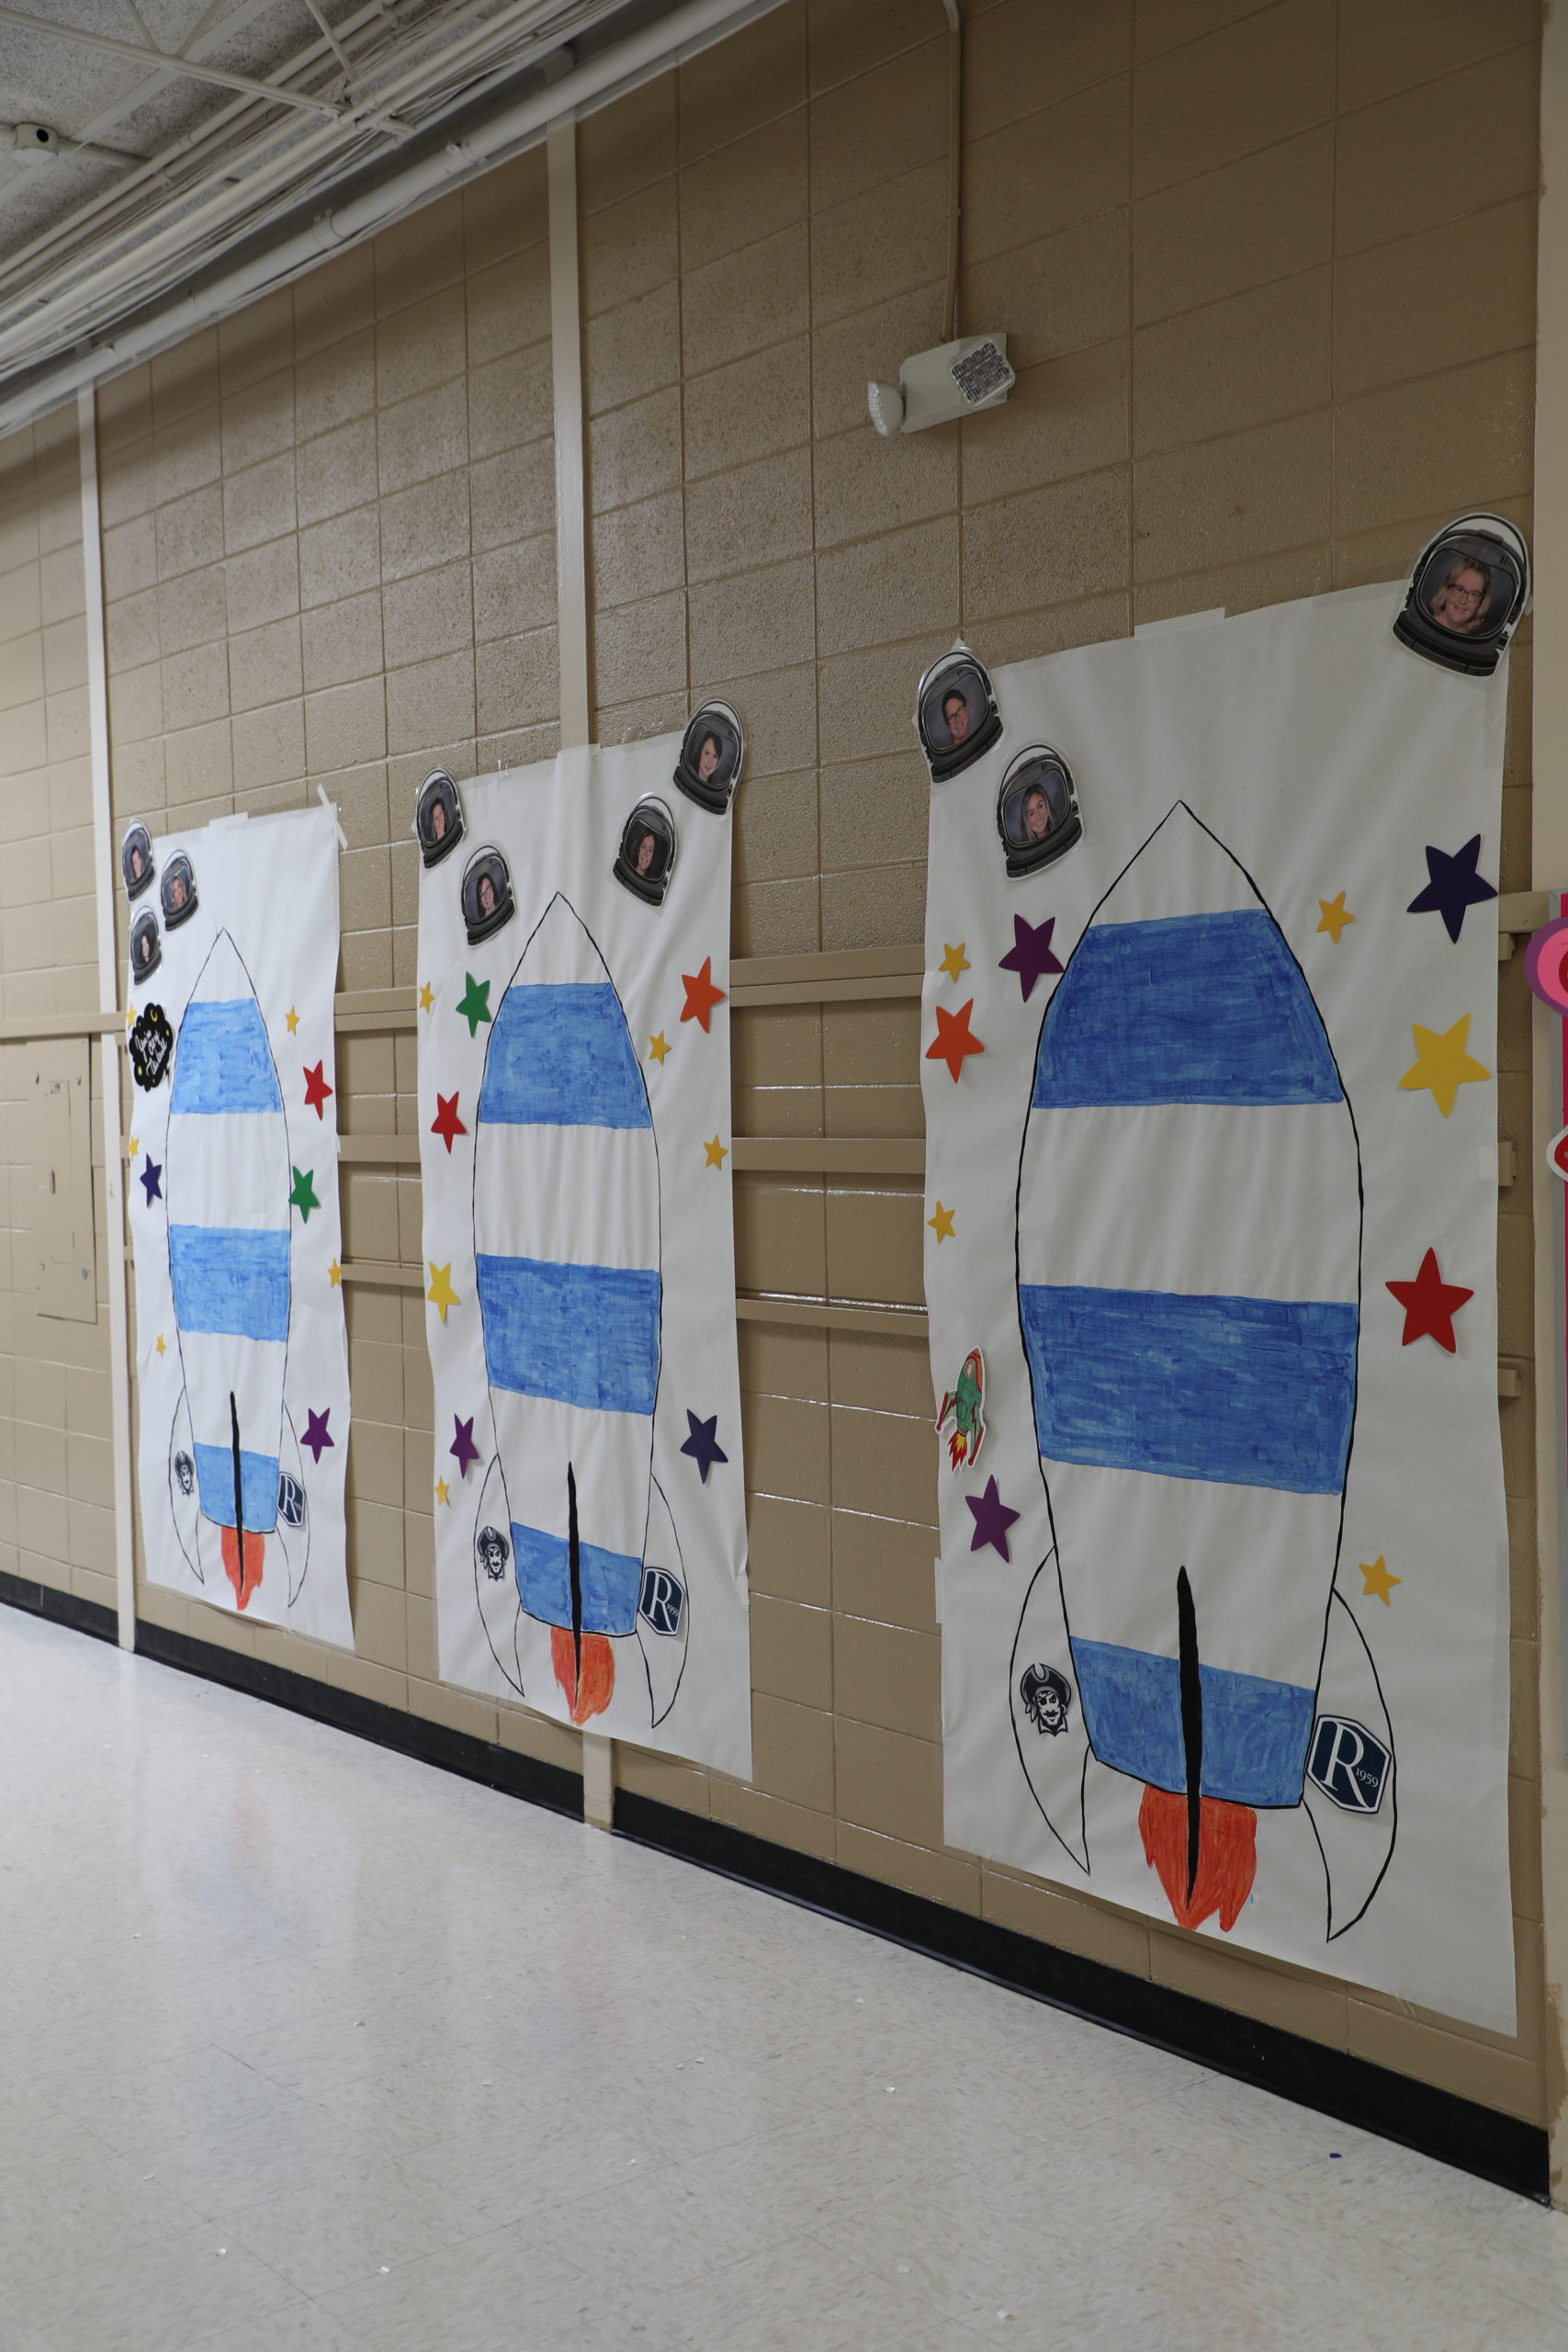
56, 1485
1267, 275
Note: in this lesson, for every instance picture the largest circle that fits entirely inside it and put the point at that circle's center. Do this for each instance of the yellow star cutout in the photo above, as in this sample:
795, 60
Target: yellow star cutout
132, 1148
953, 959
658, 1047
441, 1293
1442, 1064
1376, 1581
941, 1224
427, 997
162, 1350
334, 1273
1332, 916
443, 1491
717, 1154
293, 1020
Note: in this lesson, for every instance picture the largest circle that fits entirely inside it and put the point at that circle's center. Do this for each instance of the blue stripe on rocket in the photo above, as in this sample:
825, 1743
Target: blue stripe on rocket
1190, 1009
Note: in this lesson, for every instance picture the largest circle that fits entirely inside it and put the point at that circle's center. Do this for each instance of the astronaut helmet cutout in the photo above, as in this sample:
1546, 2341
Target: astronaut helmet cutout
437, 817
1037, 810
146, 948
487, 895
136, 859
713, 750
645, 858
176, 891
956, 717
1468, 589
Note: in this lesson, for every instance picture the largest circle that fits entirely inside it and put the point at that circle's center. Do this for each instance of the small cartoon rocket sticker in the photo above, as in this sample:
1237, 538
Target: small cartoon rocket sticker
962, 1406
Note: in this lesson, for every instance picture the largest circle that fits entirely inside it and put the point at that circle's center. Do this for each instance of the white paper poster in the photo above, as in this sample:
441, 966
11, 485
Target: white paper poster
241, 1353
1210, 1020
574, 1113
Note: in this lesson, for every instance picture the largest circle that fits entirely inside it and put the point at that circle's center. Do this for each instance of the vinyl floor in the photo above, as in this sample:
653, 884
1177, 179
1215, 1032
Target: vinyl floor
309, 2047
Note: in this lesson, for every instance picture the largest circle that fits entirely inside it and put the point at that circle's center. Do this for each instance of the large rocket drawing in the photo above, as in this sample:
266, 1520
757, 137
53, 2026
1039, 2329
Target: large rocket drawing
236, 1481
1189, 1293
575, 1560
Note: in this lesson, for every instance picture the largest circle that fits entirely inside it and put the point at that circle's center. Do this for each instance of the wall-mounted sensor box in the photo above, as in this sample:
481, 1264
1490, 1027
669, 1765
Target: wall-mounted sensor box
937, 387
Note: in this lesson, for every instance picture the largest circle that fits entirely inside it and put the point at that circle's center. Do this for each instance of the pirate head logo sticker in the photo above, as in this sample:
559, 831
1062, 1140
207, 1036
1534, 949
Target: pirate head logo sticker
1047, 1697
494, 1552
151, 1046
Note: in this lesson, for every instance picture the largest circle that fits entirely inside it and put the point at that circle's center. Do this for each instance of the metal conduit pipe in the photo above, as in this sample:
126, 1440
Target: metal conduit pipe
640, 55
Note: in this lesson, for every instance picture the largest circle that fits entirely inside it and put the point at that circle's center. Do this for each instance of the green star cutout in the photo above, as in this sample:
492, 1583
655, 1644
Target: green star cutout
303, 1196
474, 1003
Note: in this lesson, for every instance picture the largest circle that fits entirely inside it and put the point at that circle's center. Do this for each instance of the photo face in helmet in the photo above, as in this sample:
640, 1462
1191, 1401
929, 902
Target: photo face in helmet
645, 858
136, 861
1037, 810
711, 752
487, 895
437, 817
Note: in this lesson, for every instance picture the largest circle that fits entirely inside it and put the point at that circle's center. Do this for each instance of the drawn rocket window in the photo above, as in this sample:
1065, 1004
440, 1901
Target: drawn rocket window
136, 860
487, 895
955, 713
1468, 589
438, 817
177, 892
1037, 810
712, 752
146, 947
645, 858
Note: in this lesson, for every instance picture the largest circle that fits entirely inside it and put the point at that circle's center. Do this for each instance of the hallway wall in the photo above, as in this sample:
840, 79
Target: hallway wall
1267, 273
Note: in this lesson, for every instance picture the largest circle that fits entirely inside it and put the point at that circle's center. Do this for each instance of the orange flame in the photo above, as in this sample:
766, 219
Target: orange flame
588, 1690
1227, 1858
242, 1561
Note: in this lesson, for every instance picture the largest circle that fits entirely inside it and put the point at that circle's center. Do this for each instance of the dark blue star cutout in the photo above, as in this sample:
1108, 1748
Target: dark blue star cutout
1030, 955
702, 1444
151, 1179
1454, 885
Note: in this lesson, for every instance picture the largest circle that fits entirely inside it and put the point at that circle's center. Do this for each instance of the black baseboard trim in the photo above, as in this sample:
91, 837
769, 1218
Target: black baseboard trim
59, 1607
550, 1785
1437, 2123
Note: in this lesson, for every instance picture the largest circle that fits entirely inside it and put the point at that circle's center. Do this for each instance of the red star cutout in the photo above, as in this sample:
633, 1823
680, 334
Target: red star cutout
316, 1091
1430, 1305
952, 1039
701, 994
447, 1124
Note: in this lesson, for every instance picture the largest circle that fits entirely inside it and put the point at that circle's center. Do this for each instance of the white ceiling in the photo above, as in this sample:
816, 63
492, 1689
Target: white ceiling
191, 128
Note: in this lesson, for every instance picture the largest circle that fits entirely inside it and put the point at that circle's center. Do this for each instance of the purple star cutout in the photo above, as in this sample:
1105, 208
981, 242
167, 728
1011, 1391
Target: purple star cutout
992, 1520
462, 1449
1029, 955
1453, 887
316, 1433
151, 1179
702, 1444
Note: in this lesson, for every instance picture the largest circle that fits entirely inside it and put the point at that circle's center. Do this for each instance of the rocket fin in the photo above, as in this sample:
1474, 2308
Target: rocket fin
662, 1612
185, 1507
1350, 1789
1053, 1744
495, 1580
293, 1507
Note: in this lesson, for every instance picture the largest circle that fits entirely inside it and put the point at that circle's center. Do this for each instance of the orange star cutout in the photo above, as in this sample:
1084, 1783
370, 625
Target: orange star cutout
701, 994
954, 1039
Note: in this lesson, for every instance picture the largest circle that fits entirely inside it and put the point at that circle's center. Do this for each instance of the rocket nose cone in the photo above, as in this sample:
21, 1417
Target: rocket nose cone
561, 951
1180, 870
223, 977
